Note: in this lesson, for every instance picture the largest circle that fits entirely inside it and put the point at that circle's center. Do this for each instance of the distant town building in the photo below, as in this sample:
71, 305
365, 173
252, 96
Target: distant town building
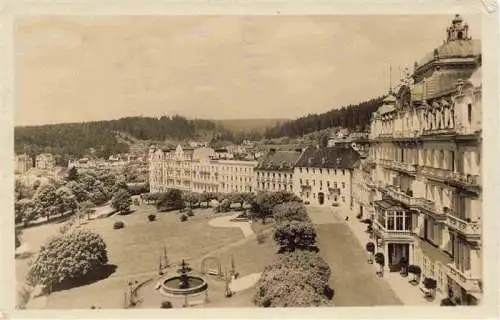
23, 163
274, 171
198, 170
323, 176
45, 161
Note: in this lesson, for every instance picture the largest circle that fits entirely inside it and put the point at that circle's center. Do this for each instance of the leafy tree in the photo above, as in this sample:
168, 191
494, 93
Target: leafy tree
294, 235
17, 240
22, 191
225, 205
45, 200
67, 258
66, 200
24, 211
121, 201
86, 208
192, 198
172, 199
77, 189
290, 211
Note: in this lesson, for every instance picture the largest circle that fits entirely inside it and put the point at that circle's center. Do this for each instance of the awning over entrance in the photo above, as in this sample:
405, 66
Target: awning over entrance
388, 205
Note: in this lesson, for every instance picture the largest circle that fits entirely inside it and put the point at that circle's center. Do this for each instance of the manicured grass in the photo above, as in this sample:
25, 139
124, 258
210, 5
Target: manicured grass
136, 251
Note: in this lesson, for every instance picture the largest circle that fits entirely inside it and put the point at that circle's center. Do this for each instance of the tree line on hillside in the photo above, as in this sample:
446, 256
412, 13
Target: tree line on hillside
79, 139
354, 117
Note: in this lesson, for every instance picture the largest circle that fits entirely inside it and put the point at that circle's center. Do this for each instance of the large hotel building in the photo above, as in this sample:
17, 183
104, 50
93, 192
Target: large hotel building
425, 168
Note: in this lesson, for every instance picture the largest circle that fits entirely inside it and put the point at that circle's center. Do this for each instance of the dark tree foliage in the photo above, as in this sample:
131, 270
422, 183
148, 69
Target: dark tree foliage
77, 139
352, 117
170, 200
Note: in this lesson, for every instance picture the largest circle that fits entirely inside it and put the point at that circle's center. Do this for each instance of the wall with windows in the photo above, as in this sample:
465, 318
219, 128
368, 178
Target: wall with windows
323, 186
236, 176
274, 180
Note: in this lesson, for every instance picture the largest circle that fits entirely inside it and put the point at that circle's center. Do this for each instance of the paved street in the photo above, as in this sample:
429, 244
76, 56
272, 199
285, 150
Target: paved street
353, 279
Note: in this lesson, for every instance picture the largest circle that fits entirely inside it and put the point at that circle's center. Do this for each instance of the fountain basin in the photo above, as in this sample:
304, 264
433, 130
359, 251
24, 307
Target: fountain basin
170, 286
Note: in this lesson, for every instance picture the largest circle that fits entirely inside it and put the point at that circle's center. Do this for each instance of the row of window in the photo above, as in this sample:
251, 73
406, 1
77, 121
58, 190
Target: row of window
328, 197
335, 185
274, 175
321, 170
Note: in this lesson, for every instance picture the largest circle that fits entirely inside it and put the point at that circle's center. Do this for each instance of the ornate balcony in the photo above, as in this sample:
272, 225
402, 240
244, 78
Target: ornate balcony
464, 180
439, 131
464, 279
406, 167
401, 235
435, 173
467, 228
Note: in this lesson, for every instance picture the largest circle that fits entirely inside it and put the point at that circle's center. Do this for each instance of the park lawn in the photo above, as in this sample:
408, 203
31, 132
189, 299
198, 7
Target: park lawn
250, 257
136, 249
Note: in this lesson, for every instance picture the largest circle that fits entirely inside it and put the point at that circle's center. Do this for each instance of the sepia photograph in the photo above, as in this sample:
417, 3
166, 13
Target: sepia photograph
246, 161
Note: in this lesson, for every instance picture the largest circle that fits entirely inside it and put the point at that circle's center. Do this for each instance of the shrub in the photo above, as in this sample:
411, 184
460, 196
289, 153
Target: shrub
68, 258
166, 305
118, 225
379, 258
296, 279
290, 211
151, 217
225, 205
295, 235
121, 201
370, 247
183, 218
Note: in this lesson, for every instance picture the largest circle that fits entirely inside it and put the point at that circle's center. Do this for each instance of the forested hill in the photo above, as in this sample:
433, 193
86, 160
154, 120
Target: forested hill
77, 139
354, 117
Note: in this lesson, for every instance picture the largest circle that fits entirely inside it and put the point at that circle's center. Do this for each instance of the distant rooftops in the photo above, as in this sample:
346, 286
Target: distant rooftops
276, 160
332, 157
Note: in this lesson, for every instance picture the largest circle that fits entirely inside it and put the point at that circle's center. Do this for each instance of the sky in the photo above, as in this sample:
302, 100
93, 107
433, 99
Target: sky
75, 69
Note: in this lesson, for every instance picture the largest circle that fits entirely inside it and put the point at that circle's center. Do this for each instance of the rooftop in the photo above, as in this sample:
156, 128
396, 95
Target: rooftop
332, 157
278, 160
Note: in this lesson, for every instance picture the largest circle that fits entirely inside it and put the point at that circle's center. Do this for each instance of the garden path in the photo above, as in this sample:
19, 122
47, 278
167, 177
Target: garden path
225, 222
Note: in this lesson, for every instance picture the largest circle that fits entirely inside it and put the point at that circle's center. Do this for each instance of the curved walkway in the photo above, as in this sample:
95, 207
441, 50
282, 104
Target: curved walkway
225, 222
245, 282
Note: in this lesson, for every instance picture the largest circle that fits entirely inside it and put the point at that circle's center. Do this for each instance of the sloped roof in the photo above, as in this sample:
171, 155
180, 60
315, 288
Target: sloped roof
454, 49
386, 108
332, 157
278, 160
386, 204
443, 82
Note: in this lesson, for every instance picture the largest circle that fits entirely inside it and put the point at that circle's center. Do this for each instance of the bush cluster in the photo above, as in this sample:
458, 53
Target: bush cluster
68, 258
299, 276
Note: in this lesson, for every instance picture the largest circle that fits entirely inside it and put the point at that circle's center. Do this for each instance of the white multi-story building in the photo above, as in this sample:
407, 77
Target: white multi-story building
198, 170
45, 161
323, 176
426, 144
23, 163
275, 170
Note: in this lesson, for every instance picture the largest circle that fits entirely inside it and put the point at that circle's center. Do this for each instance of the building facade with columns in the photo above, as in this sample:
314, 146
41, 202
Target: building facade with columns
426, 182
198, 170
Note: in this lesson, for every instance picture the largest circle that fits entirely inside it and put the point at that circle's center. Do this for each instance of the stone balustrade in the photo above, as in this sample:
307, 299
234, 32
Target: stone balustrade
464, 227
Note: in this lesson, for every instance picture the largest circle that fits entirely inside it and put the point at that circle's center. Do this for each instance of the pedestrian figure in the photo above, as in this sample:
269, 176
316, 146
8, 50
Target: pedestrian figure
346, 218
